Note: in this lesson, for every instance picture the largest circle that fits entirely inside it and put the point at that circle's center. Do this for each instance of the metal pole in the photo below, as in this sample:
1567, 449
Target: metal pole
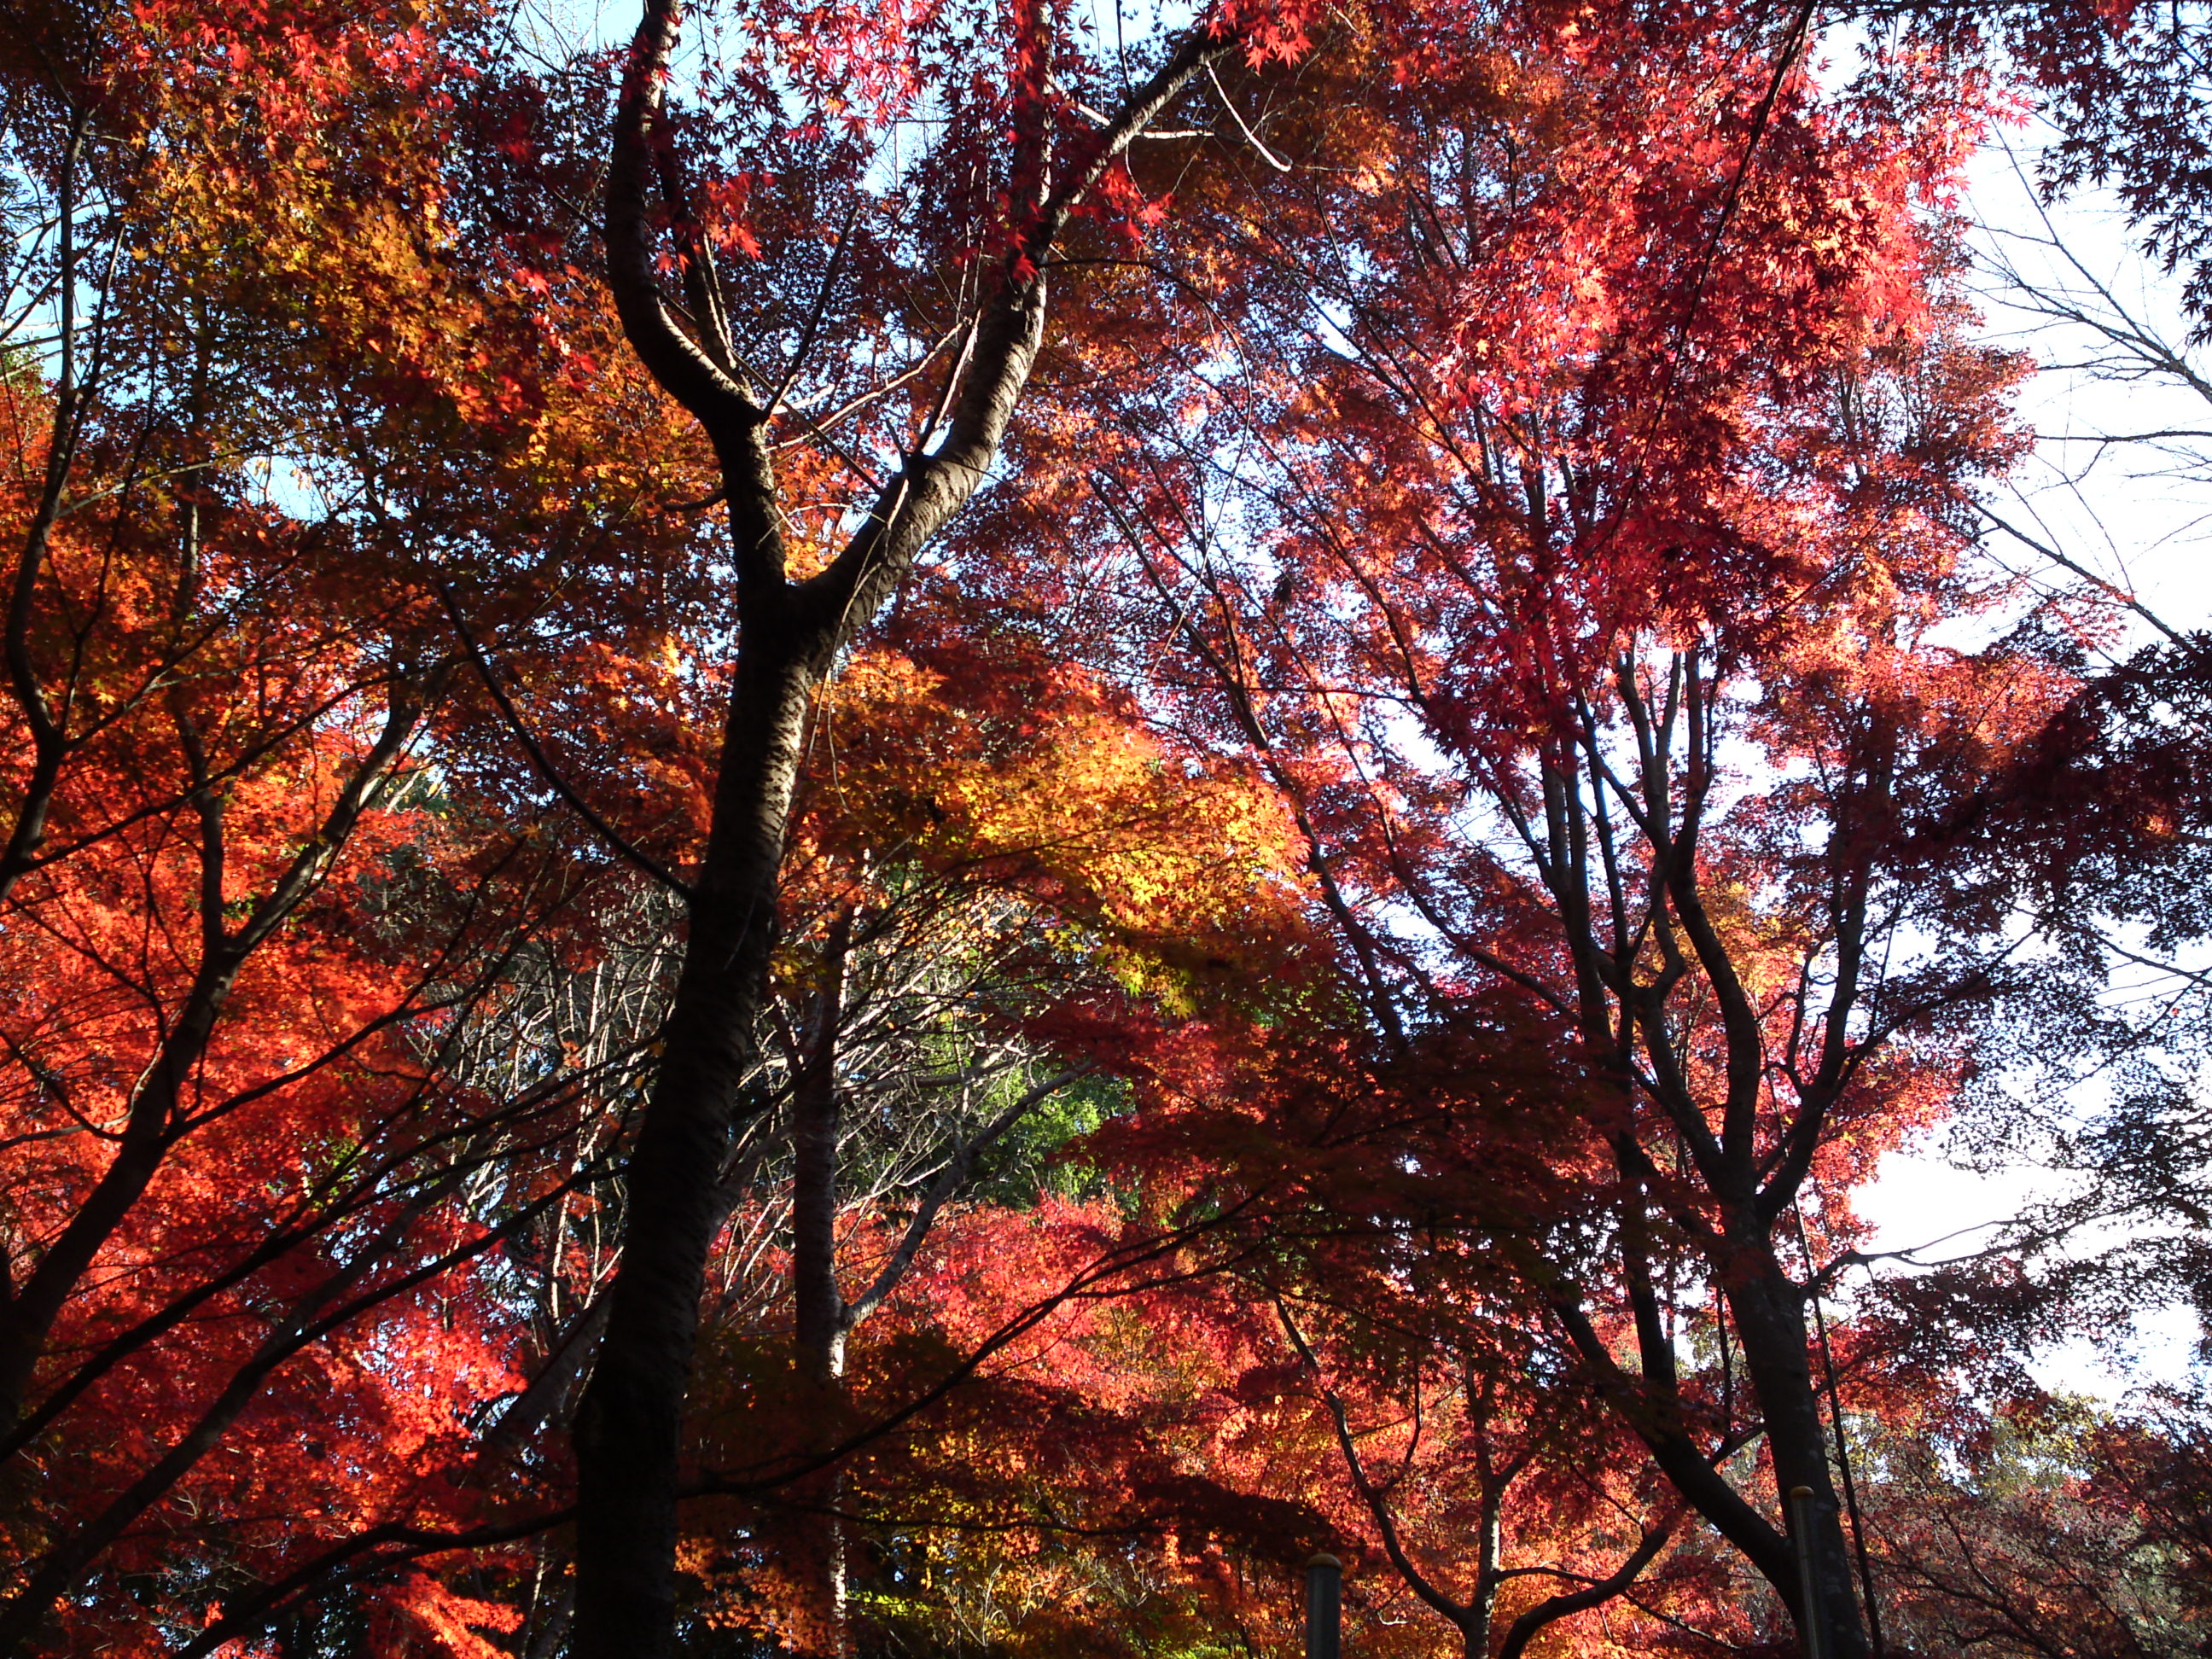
1809, 1581
1324, 1608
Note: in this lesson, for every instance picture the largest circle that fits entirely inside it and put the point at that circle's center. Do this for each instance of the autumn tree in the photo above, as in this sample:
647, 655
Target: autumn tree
259, 1173
432, 273
1497, 1489
2049, 1526
1567, 549
893, 354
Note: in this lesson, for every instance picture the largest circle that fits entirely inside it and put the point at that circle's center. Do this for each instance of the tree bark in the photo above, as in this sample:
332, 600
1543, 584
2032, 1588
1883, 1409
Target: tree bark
821, 1318
819, 1313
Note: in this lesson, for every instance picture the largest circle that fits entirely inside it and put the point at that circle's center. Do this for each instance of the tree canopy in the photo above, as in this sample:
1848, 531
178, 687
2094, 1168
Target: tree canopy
864, 829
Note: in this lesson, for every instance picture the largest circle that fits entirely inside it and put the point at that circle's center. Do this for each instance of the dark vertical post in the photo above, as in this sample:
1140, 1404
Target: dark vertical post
1324, 1608
1815, 1622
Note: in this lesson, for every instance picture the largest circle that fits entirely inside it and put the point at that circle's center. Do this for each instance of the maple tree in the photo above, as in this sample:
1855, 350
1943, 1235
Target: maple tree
990, 219
974, 886
1490, 1480
1565, 495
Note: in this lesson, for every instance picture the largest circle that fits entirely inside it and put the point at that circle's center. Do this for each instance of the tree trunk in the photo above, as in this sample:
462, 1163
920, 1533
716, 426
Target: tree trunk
629, 1426
817, 1123
820, 1317
1770, 1321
